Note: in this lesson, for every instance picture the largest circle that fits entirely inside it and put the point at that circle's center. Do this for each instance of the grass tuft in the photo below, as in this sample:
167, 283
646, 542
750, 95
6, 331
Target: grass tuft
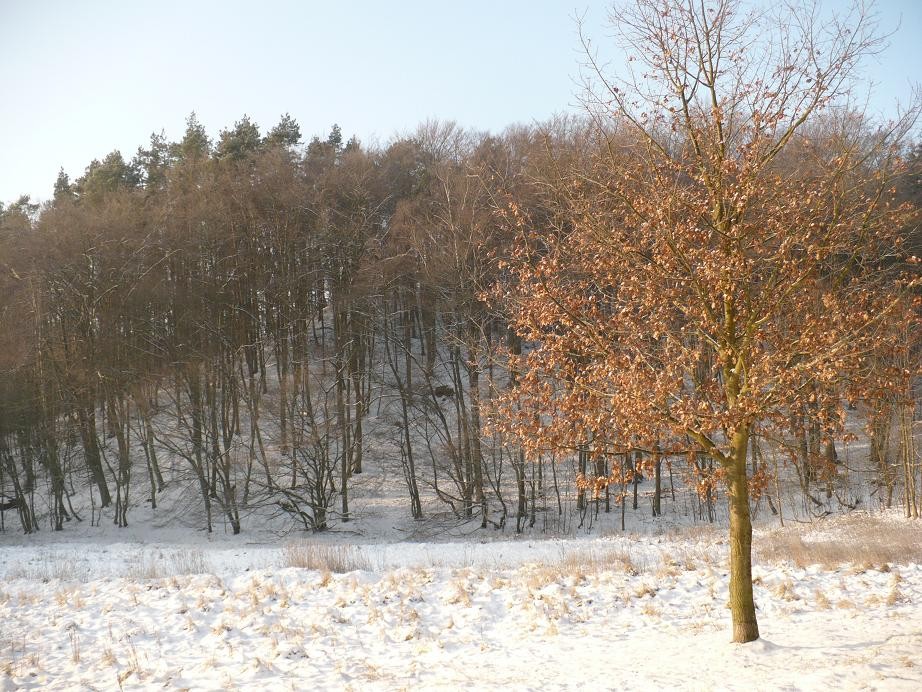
172, 564
338, 559
54, 565
592, 560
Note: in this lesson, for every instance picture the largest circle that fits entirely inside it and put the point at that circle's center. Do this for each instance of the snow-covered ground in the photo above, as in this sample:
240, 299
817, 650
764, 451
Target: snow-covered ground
612, 612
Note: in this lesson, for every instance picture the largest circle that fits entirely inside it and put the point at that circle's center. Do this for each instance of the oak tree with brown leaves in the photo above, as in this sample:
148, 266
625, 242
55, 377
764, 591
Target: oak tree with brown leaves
724, 260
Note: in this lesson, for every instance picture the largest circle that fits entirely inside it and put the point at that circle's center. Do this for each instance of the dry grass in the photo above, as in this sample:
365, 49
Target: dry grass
822, 602
337, 559
536, 577
592, 560
785, 591
895, 596
53, 565
74, 642
650, 610
698, 533
868, 542
694, 557
644, 590
180, 562
576, 565
460, 596
669, 568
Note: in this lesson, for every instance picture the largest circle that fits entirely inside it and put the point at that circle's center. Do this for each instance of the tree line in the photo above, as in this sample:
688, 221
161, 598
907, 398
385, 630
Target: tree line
265, 295
259, 294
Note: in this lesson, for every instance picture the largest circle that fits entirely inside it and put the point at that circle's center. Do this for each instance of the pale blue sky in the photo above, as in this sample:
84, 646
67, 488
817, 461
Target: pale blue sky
81, 78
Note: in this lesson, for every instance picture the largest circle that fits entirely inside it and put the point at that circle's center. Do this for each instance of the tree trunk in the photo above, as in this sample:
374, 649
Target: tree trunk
742, 604
474, 432
635, 477
518, 466
87, 417
582, 458
282, 358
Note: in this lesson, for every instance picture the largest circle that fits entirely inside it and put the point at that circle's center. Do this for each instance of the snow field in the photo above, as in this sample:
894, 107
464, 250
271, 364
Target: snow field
621, 612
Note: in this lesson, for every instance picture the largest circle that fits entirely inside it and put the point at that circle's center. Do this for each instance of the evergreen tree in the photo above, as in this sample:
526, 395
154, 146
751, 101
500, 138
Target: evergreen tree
153, 163
195, 143
240, 142
335, 140
63, 189
286, 134
109, 175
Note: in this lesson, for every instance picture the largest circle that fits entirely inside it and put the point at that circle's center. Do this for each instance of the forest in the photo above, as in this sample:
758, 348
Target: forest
701, 296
